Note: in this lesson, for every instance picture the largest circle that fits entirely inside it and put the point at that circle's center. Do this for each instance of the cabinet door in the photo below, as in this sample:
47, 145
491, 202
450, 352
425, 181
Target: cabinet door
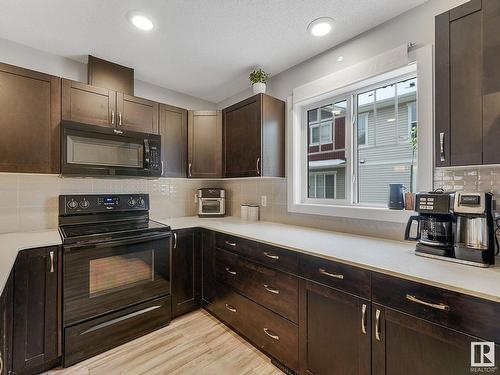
88, 104
30, 127
6, 311
403, 344
137, 114
186, 271
208, 267
491, 81
204, 144
242, 138
36, 306
334, 331
173, 130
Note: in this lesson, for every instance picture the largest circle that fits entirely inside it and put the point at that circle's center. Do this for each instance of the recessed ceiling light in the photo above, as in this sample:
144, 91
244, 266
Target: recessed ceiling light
320, 26
340, 58
141, 21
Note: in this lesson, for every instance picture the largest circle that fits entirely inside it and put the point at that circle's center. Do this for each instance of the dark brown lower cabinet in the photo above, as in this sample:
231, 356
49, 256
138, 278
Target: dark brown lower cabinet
36, 311
186, 271
6, 312
208, 268
404, 344
334, 331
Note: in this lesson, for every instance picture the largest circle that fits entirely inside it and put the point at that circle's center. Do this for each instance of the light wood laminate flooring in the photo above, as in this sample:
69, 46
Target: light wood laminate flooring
195, 343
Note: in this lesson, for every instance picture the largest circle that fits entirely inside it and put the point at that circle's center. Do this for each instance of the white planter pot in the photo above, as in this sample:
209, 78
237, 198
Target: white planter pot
259, 88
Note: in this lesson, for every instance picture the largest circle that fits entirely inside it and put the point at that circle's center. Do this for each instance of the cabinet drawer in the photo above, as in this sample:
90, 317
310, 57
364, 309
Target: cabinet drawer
464, 313
337, 275
273, 289
268, 255
273, 334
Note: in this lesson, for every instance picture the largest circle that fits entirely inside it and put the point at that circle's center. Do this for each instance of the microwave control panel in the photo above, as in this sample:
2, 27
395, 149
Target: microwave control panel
96, 203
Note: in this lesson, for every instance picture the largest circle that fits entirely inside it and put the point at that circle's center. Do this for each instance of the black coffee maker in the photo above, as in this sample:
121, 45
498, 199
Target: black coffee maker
434, 223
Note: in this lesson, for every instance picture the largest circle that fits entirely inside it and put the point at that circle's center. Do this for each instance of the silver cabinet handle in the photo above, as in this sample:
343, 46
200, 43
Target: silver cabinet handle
377, 324
271, 334
271, 290
439, 306
334, 275
162, 170
258, 166
51, 266
175, 240
233, 244
120, 118
116, 131
1, 363
363, 318
272, 256
112, 117
230, 272
230, 308
441, 147
189, 170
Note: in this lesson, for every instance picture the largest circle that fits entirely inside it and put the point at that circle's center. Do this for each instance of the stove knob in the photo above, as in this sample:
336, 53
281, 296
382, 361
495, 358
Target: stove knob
140, 202
131, 202
85, 203
72, 204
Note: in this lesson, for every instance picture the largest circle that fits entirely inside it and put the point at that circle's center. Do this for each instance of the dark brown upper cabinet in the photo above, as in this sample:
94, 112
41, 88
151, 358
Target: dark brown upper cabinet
103, 107
102, 73
204, 144
29, 123
36, 318
254, 138
468, 84
172, 127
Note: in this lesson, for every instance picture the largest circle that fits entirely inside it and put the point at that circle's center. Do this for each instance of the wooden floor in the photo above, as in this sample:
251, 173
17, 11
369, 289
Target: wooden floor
196, 343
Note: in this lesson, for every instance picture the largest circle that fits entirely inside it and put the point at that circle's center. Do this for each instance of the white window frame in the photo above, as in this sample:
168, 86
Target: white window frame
386, 66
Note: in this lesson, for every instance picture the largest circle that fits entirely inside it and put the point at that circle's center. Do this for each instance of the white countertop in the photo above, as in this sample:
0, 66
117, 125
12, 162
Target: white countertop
12, 243
389, 257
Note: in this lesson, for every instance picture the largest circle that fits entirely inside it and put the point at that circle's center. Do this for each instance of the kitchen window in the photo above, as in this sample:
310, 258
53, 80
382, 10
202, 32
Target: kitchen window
375, 142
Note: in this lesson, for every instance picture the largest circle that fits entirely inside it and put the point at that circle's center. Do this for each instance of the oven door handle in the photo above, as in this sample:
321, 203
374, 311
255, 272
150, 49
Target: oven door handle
125, 241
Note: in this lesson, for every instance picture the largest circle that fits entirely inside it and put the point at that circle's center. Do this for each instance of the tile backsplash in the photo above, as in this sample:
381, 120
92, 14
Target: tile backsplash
30, 201
468, 179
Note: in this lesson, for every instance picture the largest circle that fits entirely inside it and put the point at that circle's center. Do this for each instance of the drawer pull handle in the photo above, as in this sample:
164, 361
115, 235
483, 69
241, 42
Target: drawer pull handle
334, 275
439, 306
363, 318
271, 334
51, 262
377, 325
271, 290
233, 244
272, 256
231, 308
230, 272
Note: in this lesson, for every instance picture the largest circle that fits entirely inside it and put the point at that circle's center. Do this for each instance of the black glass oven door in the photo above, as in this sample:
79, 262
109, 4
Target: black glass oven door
106, 277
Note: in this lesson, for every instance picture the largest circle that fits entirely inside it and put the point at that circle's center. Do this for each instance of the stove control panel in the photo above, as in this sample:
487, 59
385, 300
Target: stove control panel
96, 203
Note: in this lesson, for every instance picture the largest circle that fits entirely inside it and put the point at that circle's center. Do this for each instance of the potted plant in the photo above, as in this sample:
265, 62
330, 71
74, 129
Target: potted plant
258, 78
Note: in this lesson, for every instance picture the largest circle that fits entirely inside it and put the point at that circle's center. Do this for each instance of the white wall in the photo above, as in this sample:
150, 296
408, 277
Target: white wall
416, 25
30, 58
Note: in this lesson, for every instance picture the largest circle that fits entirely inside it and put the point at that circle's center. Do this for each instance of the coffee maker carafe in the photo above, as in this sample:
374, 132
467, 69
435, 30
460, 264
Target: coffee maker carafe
474, 237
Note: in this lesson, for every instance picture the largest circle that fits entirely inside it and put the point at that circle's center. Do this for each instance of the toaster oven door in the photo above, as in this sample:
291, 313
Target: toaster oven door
211, 206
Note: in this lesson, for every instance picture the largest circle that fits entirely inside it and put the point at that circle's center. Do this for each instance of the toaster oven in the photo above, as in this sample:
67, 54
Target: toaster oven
211, 202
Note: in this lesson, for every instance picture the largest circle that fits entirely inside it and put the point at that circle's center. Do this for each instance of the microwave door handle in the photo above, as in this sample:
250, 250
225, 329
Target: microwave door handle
146, 153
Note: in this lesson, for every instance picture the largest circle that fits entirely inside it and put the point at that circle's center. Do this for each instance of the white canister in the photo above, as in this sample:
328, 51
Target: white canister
244, 212
253, 213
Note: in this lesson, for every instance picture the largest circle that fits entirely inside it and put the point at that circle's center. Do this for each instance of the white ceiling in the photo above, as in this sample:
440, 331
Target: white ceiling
204, 48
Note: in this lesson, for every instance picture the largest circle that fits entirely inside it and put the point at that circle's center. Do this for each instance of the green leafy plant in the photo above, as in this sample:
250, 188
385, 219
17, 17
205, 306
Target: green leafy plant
258, 76
413, 147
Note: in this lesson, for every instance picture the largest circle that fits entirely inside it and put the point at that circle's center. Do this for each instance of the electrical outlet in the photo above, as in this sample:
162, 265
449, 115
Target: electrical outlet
263, 200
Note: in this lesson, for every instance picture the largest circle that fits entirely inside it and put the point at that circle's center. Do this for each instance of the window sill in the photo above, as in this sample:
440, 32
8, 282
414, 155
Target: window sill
352, 212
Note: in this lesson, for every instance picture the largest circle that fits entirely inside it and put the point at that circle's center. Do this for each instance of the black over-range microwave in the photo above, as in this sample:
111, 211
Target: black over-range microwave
88, 150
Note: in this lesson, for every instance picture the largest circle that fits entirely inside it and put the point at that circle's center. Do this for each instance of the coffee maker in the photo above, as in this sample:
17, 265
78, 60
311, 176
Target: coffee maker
474, 234
457, 227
